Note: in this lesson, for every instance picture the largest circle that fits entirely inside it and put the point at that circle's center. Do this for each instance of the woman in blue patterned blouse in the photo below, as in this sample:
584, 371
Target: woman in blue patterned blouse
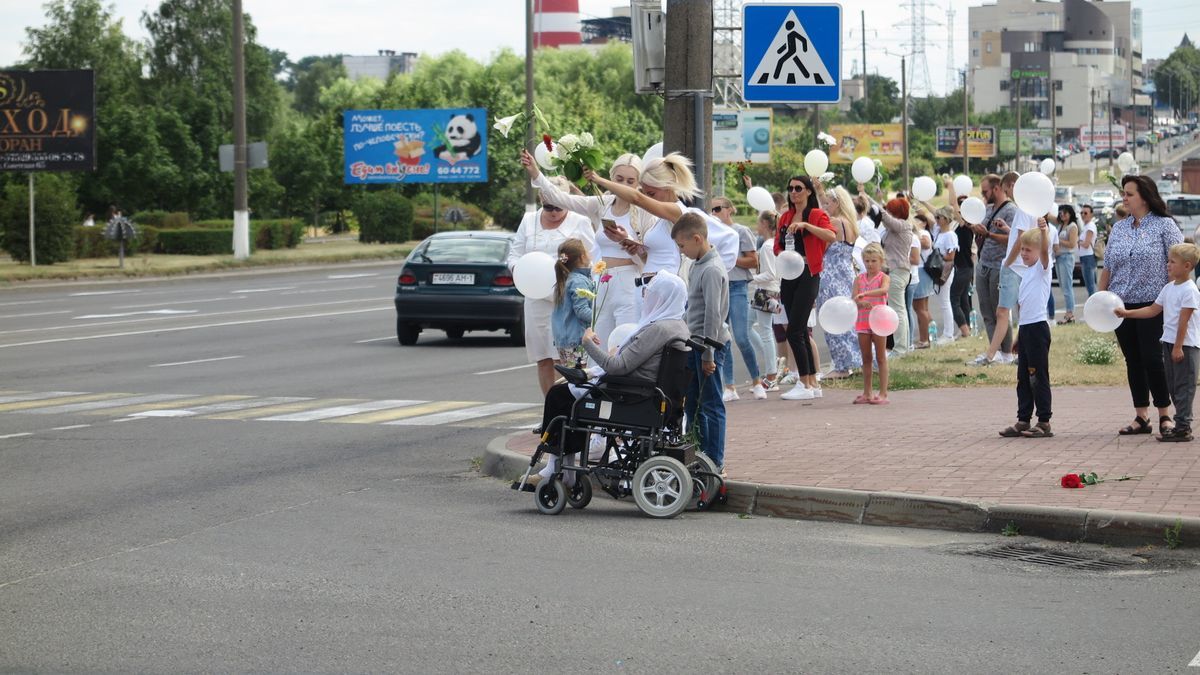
1135, 268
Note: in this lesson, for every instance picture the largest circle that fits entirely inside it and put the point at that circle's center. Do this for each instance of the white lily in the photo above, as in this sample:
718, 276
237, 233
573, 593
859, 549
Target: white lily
569, 143
505, 124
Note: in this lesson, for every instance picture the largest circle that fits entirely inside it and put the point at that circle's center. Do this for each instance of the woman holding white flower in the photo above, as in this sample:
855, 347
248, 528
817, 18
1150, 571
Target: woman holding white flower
617, 225
545, 230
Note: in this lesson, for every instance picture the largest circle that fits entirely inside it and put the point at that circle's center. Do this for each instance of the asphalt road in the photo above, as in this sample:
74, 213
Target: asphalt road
151, 519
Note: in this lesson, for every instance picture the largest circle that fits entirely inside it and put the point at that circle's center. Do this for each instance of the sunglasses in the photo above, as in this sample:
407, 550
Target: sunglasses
796, 188
717, 209
551, 209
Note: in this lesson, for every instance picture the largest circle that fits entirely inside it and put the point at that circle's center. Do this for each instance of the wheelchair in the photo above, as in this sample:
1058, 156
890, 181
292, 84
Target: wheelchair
646, 453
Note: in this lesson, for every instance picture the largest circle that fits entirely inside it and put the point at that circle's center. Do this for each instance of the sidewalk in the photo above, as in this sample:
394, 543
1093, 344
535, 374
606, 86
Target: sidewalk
943, 443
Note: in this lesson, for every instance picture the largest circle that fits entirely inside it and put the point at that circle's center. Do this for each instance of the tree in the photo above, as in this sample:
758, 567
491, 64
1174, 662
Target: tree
310, 76
55, 218
1177, 80
882, 104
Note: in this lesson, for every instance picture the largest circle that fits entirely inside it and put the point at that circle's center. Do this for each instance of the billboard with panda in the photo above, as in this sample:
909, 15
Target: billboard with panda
415, 146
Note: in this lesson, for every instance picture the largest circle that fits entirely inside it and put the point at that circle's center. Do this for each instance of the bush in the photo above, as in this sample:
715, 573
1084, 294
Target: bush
153, 218
423, 219
266, 234
383, 216
1096, 351
56, 216
196, 241
91, 243
176, 219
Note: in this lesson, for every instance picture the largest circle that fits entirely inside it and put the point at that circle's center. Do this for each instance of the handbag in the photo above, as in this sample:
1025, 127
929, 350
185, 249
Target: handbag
765, 301
935, 266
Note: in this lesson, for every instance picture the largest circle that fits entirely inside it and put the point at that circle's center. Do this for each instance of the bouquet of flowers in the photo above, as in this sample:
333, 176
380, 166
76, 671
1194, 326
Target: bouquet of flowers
571, 156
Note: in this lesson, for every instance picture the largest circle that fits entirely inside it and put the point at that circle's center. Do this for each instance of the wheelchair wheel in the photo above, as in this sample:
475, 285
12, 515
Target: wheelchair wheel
662, 487
551, 497
706, 485
579, 495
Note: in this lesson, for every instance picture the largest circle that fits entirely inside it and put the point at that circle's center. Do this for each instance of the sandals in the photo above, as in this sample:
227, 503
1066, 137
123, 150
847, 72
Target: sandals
1040, 430
862, 400
879, 401
1015, 431
1163, 429
1066, 320
1140, 425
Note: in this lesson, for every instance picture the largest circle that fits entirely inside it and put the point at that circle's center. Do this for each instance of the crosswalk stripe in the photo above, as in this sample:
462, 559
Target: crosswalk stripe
25, 405
340, 411
28, 396
404, 413
88, 406
246, 402
523, 419
171, 404
284, 408
462, 415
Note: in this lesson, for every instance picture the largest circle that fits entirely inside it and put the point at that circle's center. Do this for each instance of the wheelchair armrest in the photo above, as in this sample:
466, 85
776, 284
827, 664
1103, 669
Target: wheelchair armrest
574, 376
706, 341
620, 381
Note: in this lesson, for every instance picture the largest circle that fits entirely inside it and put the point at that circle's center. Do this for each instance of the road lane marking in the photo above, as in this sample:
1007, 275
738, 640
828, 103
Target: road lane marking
350, 276
188, 363
462, 415
363, 342
340, 411
220, 324
29, 302
25, 405
101, 405
134, 410
70, 426
282, 409
1195, 662
424, 408
264, 290
38, 395
229, 406
167, 312
87, 293
328, 290
23, 433
505, 370
23, 316
179, 302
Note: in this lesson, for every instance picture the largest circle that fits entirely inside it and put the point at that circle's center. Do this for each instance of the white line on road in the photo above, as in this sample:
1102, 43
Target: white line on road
179, 302
264, 290
22, 316
29, 302
1195, 662
229, 406
204, 325
363, 342
106, 403
71, 426
462, 415
350, 276
23, 433
308, 291
505, 370
86, 293
39, 395
188, 363
168, 312
339, 411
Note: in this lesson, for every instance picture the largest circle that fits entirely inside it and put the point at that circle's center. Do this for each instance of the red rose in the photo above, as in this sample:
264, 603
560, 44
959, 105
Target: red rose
606, 278
548, 141
1072, 480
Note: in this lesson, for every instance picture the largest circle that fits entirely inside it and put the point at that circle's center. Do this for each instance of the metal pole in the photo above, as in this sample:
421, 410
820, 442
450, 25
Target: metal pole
1018, 148
1053, 124
866, 98
435, 207
965, 136
1092, 129
241, 209
530, 137
816, 124
701, 159
32, 247
1108, 113
904, 118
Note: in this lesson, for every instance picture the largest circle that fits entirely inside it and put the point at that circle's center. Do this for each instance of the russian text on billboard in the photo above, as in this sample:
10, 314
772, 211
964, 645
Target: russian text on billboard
47, 120
415, 146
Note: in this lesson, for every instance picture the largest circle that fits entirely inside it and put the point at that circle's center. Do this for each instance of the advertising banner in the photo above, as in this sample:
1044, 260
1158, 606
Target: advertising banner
884, 142
981, 142
47, 120
415, 146
1099, 138
741, 135
1038, 141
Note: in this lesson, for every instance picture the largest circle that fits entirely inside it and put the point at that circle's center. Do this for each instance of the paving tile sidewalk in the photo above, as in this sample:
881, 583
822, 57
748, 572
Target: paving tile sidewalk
944, 443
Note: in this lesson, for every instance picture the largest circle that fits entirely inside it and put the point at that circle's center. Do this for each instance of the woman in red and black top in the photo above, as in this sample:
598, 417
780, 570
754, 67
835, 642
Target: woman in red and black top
806, 229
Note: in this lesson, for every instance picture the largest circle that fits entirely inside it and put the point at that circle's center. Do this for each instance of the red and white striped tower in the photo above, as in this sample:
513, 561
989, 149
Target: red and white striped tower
555, 23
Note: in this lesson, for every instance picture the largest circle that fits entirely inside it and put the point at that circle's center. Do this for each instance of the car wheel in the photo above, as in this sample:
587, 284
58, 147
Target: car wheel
407, 334
455, 333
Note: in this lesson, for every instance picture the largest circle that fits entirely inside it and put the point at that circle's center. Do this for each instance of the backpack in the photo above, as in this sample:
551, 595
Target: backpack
935, 266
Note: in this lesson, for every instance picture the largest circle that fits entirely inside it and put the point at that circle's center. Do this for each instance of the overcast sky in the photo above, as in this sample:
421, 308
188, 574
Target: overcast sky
480, 27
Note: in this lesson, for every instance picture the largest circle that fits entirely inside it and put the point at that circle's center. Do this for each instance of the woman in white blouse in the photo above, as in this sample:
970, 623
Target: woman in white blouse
544, 230
617, 225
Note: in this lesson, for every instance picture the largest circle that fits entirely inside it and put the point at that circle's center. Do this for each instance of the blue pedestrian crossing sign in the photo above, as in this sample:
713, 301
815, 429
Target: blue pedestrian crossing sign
792, 53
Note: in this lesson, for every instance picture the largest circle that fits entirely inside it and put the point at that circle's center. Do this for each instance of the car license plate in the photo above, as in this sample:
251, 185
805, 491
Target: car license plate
453, 279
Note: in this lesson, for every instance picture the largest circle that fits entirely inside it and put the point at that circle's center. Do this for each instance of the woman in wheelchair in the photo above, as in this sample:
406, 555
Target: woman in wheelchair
637, 357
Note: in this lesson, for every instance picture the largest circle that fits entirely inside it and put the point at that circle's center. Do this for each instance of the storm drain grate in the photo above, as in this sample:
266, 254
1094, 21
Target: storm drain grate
1037, 556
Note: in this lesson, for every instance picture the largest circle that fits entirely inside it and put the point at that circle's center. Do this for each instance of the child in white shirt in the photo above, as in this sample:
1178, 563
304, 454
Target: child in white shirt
1178, 302
1033, 340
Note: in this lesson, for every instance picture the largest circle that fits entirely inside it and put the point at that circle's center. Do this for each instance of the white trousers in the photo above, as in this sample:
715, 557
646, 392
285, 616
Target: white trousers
941, 298
619, 301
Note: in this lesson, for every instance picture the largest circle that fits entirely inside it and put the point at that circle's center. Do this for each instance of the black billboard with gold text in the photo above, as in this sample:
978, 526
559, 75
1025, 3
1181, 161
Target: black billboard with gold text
47, 120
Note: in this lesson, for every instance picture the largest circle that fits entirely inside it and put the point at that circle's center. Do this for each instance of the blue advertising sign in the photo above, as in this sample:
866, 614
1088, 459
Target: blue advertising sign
792, 53
415, 146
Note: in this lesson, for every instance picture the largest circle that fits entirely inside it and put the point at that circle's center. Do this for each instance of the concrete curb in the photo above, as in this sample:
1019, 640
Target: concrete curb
1118, 528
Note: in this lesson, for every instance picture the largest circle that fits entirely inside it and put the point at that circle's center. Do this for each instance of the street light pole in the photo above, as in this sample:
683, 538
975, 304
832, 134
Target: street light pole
529, 122
241, 208
965, 138
904, 118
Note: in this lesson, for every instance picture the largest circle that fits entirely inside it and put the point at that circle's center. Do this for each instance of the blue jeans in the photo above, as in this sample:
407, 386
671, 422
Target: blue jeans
1065, 266
746, 339
704, 407
910, 293
1088, 264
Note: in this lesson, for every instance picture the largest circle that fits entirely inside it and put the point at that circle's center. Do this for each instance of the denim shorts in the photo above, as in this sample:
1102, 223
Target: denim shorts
1010, 288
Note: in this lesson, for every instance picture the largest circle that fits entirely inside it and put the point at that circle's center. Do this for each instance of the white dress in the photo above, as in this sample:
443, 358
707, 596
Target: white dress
531, 236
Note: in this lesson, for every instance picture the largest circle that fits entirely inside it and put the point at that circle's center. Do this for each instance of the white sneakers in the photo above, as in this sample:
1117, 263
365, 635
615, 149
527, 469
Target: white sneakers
759, 392
730, 395
800, 393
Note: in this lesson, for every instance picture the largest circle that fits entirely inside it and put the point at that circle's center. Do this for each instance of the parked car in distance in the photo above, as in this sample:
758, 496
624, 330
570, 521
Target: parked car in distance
1166, 188
1186, 209
1170, 173
1106, 153
1064, 194
456, 282
1103, 199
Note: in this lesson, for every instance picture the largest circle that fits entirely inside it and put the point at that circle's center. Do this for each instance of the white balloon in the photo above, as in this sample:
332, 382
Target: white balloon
790, 264
924, 188
1125, 161
542, 155
1047, 166
620, 334
815, 162
963, 186
653, 152
973, 210
1034, 194
838, 315
1098, 311
760, 199
533, 275
862, 169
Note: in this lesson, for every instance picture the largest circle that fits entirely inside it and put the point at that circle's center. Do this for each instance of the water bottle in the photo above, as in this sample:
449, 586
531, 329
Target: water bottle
974, 322
933, 333
789, 242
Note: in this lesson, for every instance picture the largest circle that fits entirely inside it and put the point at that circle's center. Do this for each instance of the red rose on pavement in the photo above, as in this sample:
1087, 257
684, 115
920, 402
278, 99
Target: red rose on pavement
548, 141
1072, 480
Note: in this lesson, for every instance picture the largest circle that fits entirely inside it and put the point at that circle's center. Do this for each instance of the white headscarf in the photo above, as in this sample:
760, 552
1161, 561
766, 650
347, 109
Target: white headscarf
666, 298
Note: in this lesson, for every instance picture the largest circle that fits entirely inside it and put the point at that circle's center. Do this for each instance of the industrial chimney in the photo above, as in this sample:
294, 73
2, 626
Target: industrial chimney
555, 23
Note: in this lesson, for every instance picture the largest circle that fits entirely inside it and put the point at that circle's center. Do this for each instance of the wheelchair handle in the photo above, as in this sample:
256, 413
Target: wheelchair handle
707, 341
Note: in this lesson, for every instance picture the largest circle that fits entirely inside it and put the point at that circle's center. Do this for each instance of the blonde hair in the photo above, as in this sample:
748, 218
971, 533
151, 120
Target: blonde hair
674, 173
1031, 237
846, 210
1187, 253
627, 159
945, 212
561, 183
771, 217
873, 249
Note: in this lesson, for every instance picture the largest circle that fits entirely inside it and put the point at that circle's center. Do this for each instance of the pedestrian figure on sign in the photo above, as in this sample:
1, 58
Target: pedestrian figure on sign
790, 53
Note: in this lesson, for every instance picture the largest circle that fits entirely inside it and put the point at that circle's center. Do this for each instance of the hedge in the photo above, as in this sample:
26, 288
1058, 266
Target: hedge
423, 219
384, 216
91, 243
196, 241
162, 219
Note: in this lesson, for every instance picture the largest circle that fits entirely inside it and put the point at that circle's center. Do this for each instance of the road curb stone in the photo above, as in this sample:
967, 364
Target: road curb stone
1063, 524
811, 503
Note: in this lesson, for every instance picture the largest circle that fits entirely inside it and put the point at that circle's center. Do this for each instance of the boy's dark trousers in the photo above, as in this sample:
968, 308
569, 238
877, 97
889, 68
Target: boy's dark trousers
1181, 380
1033, 371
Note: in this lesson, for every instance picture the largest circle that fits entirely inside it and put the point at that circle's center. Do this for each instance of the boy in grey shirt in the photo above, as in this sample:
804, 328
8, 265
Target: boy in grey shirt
708, 304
